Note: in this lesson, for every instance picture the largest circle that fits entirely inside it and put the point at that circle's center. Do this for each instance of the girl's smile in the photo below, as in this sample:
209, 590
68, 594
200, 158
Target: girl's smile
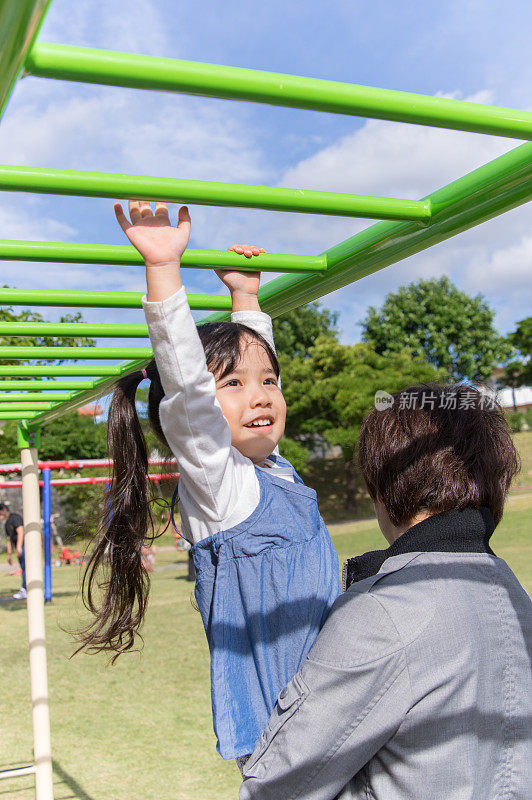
252, 403
260, 422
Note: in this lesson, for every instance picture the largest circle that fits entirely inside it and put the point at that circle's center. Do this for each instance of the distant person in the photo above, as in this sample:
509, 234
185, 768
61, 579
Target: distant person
15, 542
148, 557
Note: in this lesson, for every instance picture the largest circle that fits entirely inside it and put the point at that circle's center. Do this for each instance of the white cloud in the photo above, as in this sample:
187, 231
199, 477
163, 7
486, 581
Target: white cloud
506, 268
20, 222
136, 26
396, 160
130, 132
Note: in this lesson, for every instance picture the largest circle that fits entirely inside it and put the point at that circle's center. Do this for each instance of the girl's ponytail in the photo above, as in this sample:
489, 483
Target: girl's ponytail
118, 596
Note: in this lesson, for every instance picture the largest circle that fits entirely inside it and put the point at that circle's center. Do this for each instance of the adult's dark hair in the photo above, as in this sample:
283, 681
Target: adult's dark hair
116, 584
437, 448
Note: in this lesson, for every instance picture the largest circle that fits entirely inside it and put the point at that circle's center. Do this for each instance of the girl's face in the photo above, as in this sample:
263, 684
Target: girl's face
252, 403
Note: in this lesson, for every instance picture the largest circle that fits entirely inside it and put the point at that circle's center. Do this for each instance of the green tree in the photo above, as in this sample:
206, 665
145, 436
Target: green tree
9, 451
332, 390
521, 340
73, 436
296, 453
296, 332
512, 378
70, 437
434, 320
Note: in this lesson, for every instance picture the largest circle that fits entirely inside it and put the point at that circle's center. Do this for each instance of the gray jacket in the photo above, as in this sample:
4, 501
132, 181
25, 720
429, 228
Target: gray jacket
418, 687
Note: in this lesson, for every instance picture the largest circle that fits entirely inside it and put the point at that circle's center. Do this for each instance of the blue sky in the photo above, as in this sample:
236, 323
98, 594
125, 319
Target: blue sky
468, 50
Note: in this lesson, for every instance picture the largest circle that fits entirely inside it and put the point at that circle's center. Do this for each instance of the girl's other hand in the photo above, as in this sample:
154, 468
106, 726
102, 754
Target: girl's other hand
246, 283
152, 233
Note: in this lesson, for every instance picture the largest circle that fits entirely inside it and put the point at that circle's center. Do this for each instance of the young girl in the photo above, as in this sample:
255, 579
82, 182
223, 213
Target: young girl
267, 573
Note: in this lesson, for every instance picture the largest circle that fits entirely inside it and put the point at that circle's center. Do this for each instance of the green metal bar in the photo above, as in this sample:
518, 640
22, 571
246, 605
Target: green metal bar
20, 21
212, 80
101, 388
73, 253
49, 371
18, 414
22, 397
44, 385
239, 195
53, 297
496, 187
26, 406
104, 353
68, 329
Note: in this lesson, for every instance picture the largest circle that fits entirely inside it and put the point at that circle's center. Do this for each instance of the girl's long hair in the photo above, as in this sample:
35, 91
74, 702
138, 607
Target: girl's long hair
115, 584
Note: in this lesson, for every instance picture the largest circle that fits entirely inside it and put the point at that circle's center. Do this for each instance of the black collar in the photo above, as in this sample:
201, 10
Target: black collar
466, 531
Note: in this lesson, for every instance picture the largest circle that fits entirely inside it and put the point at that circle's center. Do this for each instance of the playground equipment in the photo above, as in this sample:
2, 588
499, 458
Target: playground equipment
408, 227
46, 484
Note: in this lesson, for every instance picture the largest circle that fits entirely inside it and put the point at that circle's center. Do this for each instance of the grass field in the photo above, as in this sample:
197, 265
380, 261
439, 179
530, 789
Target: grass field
142, 729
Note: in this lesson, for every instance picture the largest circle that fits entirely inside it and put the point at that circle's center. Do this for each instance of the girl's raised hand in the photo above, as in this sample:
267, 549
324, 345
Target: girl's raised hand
152, 233
246, 283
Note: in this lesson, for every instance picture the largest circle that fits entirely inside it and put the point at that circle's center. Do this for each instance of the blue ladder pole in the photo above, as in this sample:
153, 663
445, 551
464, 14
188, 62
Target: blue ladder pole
47, 531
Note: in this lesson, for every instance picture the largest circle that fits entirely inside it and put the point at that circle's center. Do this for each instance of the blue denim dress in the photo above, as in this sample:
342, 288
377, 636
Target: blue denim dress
264, 589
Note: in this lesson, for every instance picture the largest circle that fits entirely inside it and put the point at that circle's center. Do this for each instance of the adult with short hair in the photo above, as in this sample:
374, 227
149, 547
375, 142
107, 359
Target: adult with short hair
419, 685
14, 526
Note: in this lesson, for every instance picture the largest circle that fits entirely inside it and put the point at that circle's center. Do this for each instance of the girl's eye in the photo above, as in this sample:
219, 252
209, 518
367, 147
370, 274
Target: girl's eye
271, 381
233, 382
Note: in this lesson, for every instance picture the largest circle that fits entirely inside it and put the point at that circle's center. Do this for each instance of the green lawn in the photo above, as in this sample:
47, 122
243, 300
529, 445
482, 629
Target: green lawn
142, 729
523, 442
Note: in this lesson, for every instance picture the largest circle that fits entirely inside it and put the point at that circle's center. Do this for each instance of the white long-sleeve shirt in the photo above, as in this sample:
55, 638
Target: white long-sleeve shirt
218, 486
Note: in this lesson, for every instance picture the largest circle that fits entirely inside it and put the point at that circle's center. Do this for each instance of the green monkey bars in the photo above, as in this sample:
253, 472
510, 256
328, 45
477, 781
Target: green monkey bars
29, 392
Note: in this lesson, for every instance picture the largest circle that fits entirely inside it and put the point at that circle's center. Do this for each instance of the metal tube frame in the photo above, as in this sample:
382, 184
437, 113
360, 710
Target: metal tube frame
112, 353
111, 68
124, 255
91, 299
13, 397
235, 195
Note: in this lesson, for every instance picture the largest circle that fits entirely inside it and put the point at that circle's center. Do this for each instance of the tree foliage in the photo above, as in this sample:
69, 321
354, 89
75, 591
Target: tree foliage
73, 436
331, 391
434, 320
69, 437
297, 331
296, 453
520, 369
9, 451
